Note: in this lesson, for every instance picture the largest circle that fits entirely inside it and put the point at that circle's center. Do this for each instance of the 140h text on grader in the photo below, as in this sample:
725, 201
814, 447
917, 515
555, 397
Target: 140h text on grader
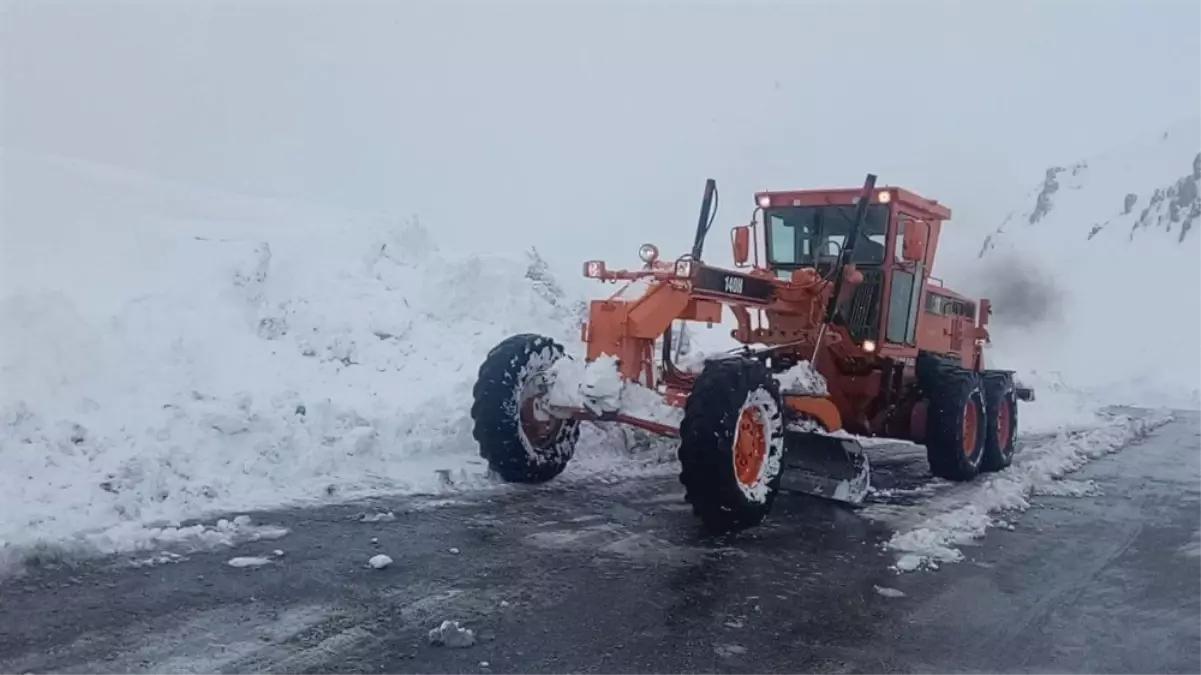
844, 290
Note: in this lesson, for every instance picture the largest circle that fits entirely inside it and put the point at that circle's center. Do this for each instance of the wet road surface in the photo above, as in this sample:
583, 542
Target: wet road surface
593, 577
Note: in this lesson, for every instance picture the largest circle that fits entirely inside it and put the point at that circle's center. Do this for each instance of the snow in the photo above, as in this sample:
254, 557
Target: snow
379, 561
802, 379
962, 515
451, 634
889, 592
248, 561
597, 386
769, 414
170, 354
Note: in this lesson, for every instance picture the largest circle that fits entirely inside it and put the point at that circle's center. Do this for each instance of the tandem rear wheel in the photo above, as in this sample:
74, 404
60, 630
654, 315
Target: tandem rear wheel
971, 421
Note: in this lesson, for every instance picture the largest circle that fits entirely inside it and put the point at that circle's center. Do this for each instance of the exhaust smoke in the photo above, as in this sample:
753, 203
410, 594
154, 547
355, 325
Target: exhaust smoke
1023, 294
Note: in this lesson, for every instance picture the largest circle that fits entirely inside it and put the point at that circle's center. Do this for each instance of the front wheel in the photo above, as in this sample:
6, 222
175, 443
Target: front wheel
521, 444
732, 444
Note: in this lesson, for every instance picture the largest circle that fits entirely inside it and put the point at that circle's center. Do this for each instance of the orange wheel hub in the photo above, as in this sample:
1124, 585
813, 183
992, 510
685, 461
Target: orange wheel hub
971, 424
538, 432
750, 450
1004, 423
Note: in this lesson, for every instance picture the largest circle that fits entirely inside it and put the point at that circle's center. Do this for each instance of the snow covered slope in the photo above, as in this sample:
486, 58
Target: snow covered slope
1096, 277
166, 352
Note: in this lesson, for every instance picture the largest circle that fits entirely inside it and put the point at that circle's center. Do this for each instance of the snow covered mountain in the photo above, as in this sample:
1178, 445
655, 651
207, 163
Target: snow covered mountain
1096, 276
1144, 189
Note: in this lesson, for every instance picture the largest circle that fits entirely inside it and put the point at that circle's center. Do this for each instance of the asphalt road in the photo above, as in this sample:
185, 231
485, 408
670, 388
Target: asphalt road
592, 577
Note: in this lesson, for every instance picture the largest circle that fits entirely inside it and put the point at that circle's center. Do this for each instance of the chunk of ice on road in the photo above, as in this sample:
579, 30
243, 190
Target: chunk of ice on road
451, 634
248, 561
378, 517
890, 592
379, 561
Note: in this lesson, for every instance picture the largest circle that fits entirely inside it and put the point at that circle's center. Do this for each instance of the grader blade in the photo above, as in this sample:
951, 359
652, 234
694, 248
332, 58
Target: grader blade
825, 466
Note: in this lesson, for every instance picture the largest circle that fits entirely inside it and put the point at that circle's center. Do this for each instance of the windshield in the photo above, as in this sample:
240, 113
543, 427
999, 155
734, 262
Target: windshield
806, 236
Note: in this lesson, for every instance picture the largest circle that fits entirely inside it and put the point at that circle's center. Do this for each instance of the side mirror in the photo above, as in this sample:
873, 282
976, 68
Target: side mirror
741, 241
913, 246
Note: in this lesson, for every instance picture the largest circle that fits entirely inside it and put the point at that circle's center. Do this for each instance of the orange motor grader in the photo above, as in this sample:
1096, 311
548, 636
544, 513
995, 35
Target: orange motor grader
844, 332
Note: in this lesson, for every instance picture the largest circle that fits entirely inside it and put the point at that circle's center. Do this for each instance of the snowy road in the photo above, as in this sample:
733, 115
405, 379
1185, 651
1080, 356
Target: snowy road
590, 577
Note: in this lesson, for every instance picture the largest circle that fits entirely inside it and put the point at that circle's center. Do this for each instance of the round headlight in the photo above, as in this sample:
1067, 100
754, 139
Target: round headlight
764, 201
869, 346
648, 253
884, 197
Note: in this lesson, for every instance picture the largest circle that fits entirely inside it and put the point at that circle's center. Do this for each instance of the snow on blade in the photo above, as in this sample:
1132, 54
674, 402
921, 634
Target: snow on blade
965, 515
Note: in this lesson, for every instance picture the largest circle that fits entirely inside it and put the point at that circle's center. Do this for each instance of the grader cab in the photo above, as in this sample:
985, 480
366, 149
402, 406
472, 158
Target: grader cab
843, 332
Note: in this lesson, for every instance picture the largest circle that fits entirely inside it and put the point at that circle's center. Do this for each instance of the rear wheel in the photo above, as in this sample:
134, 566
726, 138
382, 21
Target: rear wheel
521, 443
1001, 401
956, 422
732, 444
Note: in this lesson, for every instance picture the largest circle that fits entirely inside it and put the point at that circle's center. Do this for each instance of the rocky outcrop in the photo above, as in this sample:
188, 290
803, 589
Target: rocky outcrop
1044, 202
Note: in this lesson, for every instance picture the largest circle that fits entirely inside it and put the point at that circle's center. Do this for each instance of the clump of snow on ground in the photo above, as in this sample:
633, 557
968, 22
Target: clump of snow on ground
802, 379
175, 355
248, 561
451, 634
967, 513
889, 592
379, 561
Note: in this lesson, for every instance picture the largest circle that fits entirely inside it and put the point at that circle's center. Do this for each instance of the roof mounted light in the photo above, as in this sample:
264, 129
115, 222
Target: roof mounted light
648, 253
884, 196
764, 201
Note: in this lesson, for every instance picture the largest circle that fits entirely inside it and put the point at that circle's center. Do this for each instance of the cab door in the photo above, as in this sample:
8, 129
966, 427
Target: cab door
905, 290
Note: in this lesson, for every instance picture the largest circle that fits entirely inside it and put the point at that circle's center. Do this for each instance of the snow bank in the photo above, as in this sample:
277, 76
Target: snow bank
200, 356
963, 515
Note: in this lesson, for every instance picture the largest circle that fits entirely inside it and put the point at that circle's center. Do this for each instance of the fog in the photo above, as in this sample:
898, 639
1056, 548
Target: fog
587, 128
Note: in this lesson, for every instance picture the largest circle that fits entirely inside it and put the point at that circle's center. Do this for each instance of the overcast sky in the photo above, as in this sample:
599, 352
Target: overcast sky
592, 126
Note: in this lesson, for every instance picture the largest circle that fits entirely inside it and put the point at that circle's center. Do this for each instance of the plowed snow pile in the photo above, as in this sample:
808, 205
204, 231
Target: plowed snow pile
167, 353
932, 533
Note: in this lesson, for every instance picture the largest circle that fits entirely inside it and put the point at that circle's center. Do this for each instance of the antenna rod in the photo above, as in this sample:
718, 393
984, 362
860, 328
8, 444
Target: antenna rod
844, 258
